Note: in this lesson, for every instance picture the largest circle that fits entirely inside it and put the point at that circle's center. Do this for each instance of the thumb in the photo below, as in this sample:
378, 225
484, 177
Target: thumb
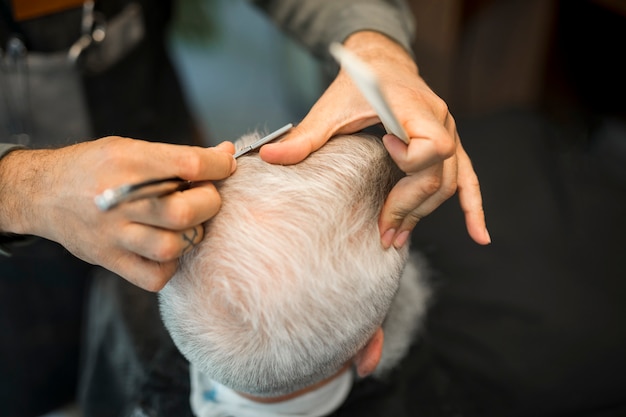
296, 145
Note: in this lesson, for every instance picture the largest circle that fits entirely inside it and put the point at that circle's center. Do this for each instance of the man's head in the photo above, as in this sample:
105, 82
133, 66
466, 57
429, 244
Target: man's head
291, 281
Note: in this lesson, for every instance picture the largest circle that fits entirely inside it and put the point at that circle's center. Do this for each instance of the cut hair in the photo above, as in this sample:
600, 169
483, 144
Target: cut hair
291, 279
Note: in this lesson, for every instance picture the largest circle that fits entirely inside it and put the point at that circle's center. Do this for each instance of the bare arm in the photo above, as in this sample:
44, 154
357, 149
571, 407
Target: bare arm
49, 193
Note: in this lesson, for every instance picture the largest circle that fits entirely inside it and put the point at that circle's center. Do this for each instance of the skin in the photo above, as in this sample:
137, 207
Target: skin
49, 193
435, 162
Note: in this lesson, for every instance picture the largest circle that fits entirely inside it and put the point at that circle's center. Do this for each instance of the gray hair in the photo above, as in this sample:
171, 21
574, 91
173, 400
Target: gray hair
291, 280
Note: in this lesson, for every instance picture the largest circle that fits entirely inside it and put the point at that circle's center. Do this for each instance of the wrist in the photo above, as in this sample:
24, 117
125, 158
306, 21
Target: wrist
377, 48
19, 181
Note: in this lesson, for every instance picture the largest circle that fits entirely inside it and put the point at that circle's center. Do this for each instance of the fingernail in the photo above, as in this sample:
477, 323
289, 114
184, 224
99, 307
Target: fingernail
401, 239
233, 166
488, 235
388, 238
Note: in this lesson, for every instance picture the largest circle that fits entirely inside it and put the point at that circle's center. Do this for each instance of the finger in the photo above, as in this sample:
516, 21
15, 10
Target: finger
144, 273
177, 211
471, 200
192, 237
341, 109
192, 163
226, 146
200, 164
159, 245
446, 189
399, 214
429, 205
426, 148
296, 145
144, 160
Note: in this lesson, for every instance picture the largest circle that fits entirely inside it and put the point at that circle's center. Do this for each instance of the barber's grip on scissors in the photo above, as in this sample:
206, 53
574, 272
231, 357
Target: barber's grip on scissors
112, 197
367, 82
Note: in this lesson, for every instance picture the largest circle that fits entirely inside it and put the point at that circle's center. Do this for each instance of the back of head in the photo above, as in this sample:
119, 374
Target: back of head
291, 279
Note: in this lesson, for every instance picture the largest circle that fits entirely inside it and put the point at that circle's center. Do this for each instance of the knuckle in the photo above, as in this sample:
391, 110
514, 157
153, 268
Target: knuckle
448, 190
446, 148
180, 215
111, 149
430, 185
168, 248
474, 183
413, 218
398, 213
441, 107
191, 164
397, 216
114, 140
116, 153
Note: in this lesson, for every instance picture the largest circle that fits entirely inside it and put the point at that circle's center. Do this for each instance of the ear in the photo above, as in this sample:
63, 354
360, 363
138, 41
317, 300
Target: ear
366, 360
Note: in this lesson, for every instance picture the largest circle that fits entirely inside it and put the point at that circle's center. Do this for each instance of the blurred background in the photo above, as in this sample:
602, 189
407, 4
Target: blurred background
561, 57
240, 72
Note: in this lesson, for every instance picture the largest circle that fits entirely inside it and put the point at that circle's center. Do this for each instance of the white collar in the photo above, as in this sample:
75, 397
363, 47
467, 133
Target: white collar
212, 399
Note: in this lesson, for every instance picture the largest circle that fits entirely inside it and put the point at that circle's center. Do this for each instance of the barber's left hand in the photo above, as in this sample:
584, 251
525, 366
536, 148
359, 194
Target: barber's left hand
434, 161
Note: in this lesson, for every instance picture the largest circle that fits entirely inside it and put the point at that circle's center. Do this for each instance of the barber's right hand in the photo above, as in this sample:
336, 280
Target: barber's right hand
50, 193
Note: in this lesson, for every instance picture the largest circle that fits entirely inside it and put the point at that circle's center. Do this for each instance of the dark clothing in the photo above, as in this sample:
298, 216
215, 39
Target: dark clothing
534, 324
131, 366
42, 286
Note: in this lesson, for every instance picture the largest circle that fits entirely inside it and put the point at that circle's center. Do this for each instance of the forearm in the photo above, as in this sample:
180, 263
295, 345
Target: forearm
318, 23
19, 172
379, 50
50, 194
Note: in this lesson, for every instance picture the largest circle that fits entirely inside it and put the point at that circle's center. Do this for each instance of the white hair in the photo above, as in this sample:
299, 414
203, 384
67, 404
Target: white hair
291, 280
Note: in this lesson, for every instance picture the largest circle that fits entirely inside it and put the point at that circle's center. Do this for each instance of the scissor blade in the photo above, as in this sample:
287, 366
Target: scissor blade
265, 139
368, 84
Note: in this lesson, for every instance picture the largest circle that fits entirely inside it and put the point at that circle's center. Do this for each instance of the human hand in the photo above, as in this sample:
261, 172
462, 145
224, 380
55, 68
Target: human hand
50, 193
434, 161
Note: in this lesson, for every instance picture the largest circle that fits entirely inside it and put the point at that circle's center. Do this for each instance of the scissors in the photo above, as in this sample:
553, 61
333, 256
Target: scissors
368, 84
112, 197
